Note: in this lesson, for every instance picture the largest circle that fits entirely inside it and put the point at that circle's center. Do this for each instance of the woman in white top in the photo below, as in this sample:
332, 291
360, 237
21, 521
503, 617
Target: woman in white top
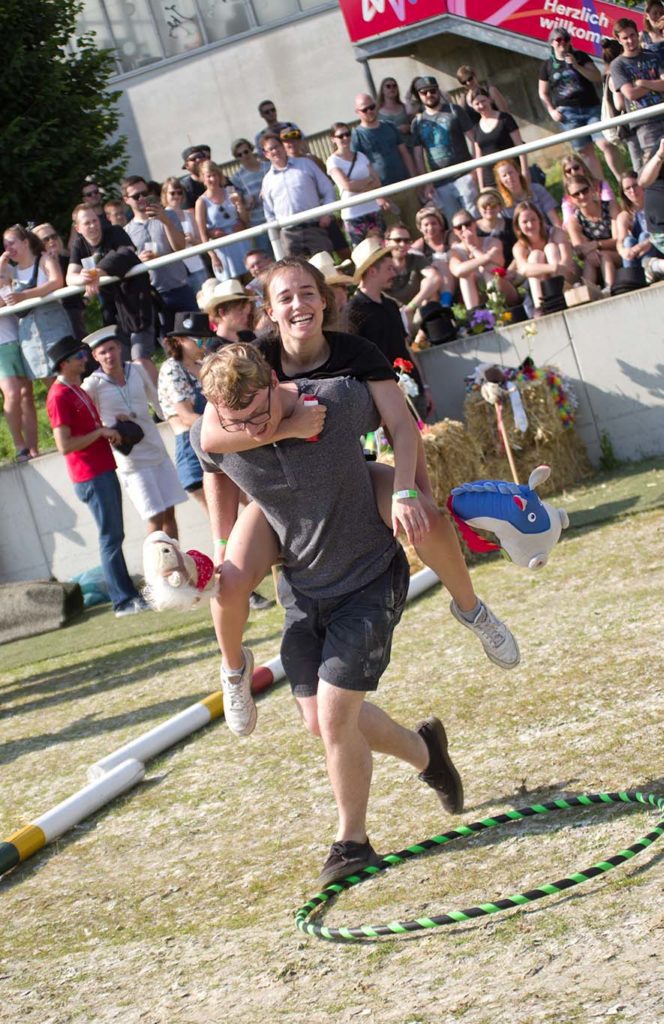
352, 174
172, 198
34, 274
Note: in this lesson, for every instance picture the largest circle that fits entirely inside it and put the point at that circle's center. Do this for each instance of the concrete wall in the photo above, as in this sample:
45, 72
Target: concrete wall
612, 351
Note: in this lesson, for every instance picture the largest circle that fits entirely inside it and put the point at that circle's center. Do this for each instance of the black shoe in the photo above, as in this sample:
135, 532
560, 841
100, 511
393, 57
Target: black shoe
440, 773
258, 603
347, 858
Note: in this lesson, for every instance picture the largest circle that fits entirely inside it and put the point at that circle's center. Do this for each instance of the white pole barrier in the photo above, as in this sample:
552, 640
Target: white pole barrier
122, 769
177, 728
432, 177
31, 838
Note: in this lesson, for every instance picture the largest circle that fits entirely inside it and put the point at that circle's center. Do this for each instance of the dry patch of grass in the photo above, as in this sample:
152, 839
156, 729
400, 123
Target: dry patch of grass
174, 905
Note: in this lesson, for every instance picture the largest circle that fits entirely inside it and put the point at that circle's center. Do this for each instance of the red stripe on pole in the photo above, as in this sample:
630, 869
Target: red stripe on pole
262, 679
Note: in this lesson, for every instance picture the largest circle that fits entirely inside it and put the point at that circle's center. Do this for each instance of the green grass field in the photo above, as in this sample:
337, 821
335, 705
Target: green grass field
174, 905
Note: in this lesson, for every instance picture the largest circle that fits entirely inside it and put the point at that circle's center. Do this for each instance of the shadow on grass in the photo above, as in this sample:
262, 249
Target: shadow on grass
530, 826
109, 671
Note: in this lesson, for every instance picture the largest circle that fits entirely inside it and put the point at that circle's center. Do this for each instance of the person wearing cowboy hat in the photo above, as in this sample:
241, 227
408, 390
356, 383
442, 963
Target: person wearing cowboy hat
231, 309
338, 282
376, 316
86, 445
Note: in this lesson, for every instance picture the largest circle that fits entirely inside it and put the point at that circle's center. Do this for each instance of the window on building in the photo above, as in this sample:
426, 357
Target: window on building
143, 32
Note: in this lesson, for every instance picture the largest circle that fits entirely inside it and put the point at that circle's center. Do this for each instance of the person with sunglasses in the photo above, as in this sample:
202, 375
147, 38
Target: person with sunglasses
473, 261
192, 158
634, 243
380, 142
154, 232
353, 173
393, 109
173, 198
86, 445
593, 232
248, 179
467, 77
574, 165
273, 125
443, 138
74, 304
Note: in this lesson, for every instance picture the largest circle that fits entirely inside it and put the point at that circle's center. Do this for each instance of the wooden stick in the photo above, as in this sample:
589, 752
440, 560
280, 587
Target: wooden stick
503, 434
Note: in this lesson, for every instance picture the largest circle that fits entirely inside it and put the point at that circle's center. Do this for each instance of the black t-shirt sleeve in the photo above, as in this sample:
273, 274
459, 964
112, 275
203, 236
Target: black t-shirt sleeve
79, 249
509, 124
545, 71
465, 122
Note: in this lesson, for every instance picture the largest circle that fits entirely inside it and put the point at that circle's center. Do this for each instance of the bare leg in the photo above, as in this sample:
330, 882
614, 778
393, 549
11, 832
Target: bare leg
440, 549
11, 392
469, 292
252, 548
170, 526
534, 282
199, 497
350, 728
29, 416
613, 157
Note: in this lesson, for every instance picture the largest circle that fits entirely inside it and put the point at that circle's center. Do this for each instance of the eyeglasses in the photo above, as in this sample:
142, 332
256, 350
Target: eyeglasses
572, 169
49, 238
399, 240
342, 135
581, 192
463, 224
292, 133
232, 426
197, 157
559, 40
488, 204
138, 195
467, 81
369, 106
429, 89
90, 192
81, 354
269, 110
175, 192
242, 152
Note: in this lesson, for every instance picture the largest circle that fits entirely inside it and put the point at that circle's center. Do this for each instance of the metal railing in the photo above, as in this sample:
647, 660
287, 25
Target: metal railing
273, 227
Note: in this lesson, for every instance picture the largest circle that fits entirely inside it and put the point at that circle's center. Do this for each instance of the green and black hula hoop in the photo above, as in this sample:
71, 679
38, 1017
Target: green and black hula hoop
304, 916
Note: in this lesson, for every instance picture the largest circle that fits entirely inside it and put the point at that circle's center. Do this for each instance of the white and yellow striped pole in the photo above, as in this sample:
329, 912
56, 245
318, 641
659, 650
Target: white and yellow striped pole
31, 838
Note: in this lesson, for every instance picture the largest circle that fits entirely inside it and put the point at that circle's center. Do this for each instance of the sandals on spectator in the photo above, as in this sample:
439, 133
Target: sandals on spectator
23, 455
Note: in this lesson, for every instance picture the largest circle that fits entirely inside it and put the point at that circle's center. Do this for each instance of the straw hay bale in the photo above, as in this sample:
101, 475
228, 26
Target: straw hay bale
545, 441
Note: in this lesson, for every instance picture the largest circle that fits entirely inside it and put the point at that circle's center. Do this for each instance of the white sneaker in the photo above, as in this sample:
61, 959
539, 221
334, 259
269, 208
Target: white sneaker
239, 707
496, 639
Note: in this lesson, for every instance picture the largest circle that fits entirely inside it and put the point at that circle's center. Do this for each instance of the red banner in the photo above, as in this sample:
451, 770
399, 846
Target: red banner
587, 21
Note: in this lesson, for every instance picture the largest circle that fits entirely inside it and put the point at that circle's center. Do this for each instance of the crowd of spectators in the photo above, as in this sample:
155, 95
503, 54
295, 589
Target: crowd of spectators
495, 231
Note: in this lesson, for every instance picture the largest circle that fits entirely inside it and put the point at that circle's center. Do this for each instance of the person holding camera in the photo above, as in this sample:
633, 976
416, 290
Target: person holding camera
155, 232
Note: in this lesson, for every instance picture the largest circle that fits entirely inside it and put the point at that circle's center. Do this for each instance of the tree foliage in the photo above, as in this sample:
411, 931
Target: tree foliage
58, 120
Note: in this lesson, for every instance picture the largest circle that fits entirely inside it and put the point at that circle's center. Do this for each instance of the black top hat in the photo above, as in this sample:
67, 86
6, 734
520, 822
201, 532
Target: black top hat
191, 325
62, 349
438, 323
628, 279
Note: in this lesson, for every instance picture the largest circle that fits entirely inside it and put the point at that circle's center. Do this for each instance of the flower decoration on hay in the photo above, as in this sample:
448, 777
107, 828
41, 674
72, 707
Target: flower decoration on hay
404, 369
559, 385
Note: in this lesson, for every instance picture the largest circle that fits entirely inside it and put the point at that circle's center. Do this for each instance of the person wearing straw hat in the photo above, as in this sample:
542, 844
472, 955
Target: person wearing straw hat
338, 282
86, 445
231, 309
375, 315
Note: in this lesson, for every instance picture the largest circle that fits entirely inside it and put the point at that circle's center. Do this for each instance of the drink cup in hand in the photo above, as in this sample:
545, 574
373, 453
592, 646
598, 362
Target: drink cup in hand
311, 400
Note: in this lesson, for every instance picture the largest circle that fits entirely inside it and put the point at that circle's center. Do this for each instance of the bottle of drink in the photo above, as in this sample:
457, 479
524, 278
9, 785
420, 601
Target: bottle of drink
311, 400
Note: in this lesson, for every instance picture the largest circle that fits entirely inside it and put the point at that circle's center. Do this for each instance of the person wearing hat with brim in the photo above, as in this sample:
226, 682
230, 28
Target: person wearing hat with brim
122, 390
568, 88
86, 445
375, 315
231, 310
192, 183
337, 281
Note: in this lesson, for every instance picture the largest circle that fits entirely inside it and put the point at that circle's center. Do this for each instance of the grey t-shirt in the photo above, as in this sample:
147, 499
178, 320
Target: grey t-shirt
317, 496
165, 278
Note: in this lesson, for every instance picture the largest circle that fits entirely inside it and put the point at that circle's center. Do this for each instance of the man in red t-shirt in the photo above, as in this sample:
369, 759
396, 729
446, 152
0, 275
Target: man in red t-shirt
86, 446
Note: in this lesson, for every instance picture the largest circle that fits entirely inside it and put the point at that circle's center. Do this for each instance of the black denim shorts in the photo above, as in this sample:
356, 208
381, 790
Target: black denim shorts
347, 640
